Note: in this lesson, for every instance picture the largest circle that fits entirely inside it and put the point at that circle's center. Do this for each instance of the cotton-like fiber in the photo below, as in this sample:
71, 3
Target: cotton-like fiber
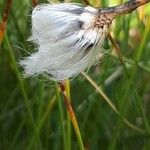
67, 40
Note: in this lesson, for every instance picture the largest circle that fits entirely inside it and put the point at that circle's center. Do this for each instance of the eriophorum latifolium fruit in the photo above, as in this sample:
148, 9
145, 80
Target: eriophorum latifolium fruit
69, 38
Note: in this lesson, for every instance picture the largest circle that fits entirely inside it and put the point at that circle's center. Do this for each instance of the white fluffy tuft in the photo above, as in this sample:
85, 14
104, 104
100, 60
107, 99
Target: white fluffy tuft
67, 41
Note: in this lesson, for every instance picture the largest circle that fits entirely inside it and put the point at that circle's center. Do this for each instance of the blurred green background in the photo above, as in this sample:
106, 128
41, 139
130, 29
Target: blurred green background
32, 113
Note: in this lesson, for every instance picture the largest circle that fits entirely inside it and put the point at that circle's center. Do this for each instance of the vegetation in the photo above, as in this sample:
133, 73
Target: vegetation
32, 111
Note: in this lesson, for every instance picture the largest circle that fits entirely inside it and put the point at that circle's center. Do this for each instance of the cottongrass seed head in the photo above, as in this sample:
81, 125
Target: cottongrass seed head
69, 38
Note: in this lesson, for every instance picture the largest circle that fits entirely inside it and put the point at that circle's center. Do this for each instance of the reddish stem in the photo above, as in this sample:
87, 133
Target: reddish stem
71, 114
4, 19
67, 102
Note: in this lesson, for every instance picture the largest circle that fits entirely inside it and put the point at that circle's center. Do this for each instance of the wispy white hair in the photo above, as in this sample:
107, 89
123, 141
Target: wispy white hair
68, 39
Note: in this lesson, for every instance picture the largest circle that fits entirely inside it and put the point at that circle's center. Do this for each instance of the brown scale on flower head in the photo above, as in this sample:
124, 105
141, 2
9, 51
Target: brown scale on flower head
103, 18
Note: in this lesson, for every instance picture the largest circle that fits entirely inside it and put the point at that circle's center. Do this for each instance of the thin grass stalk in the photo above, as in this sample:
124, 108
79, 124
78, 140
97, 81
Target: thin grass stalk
141, 47
17, 27
16, 136
61, 116
49, 108
118, 52
140, 65
72, 116
99, 90
68, 129
145, 120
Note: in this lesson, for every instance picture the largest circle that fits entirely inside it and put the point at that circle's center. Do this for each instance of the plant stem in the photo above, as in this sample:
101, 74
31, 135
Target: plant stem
61, 116
118, 51
72, 116
124, 8
67, 87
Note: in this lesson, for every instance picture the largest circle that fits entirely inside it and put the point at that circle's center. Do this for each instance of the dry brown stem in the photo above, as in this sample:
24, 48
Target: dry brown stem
124, 8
